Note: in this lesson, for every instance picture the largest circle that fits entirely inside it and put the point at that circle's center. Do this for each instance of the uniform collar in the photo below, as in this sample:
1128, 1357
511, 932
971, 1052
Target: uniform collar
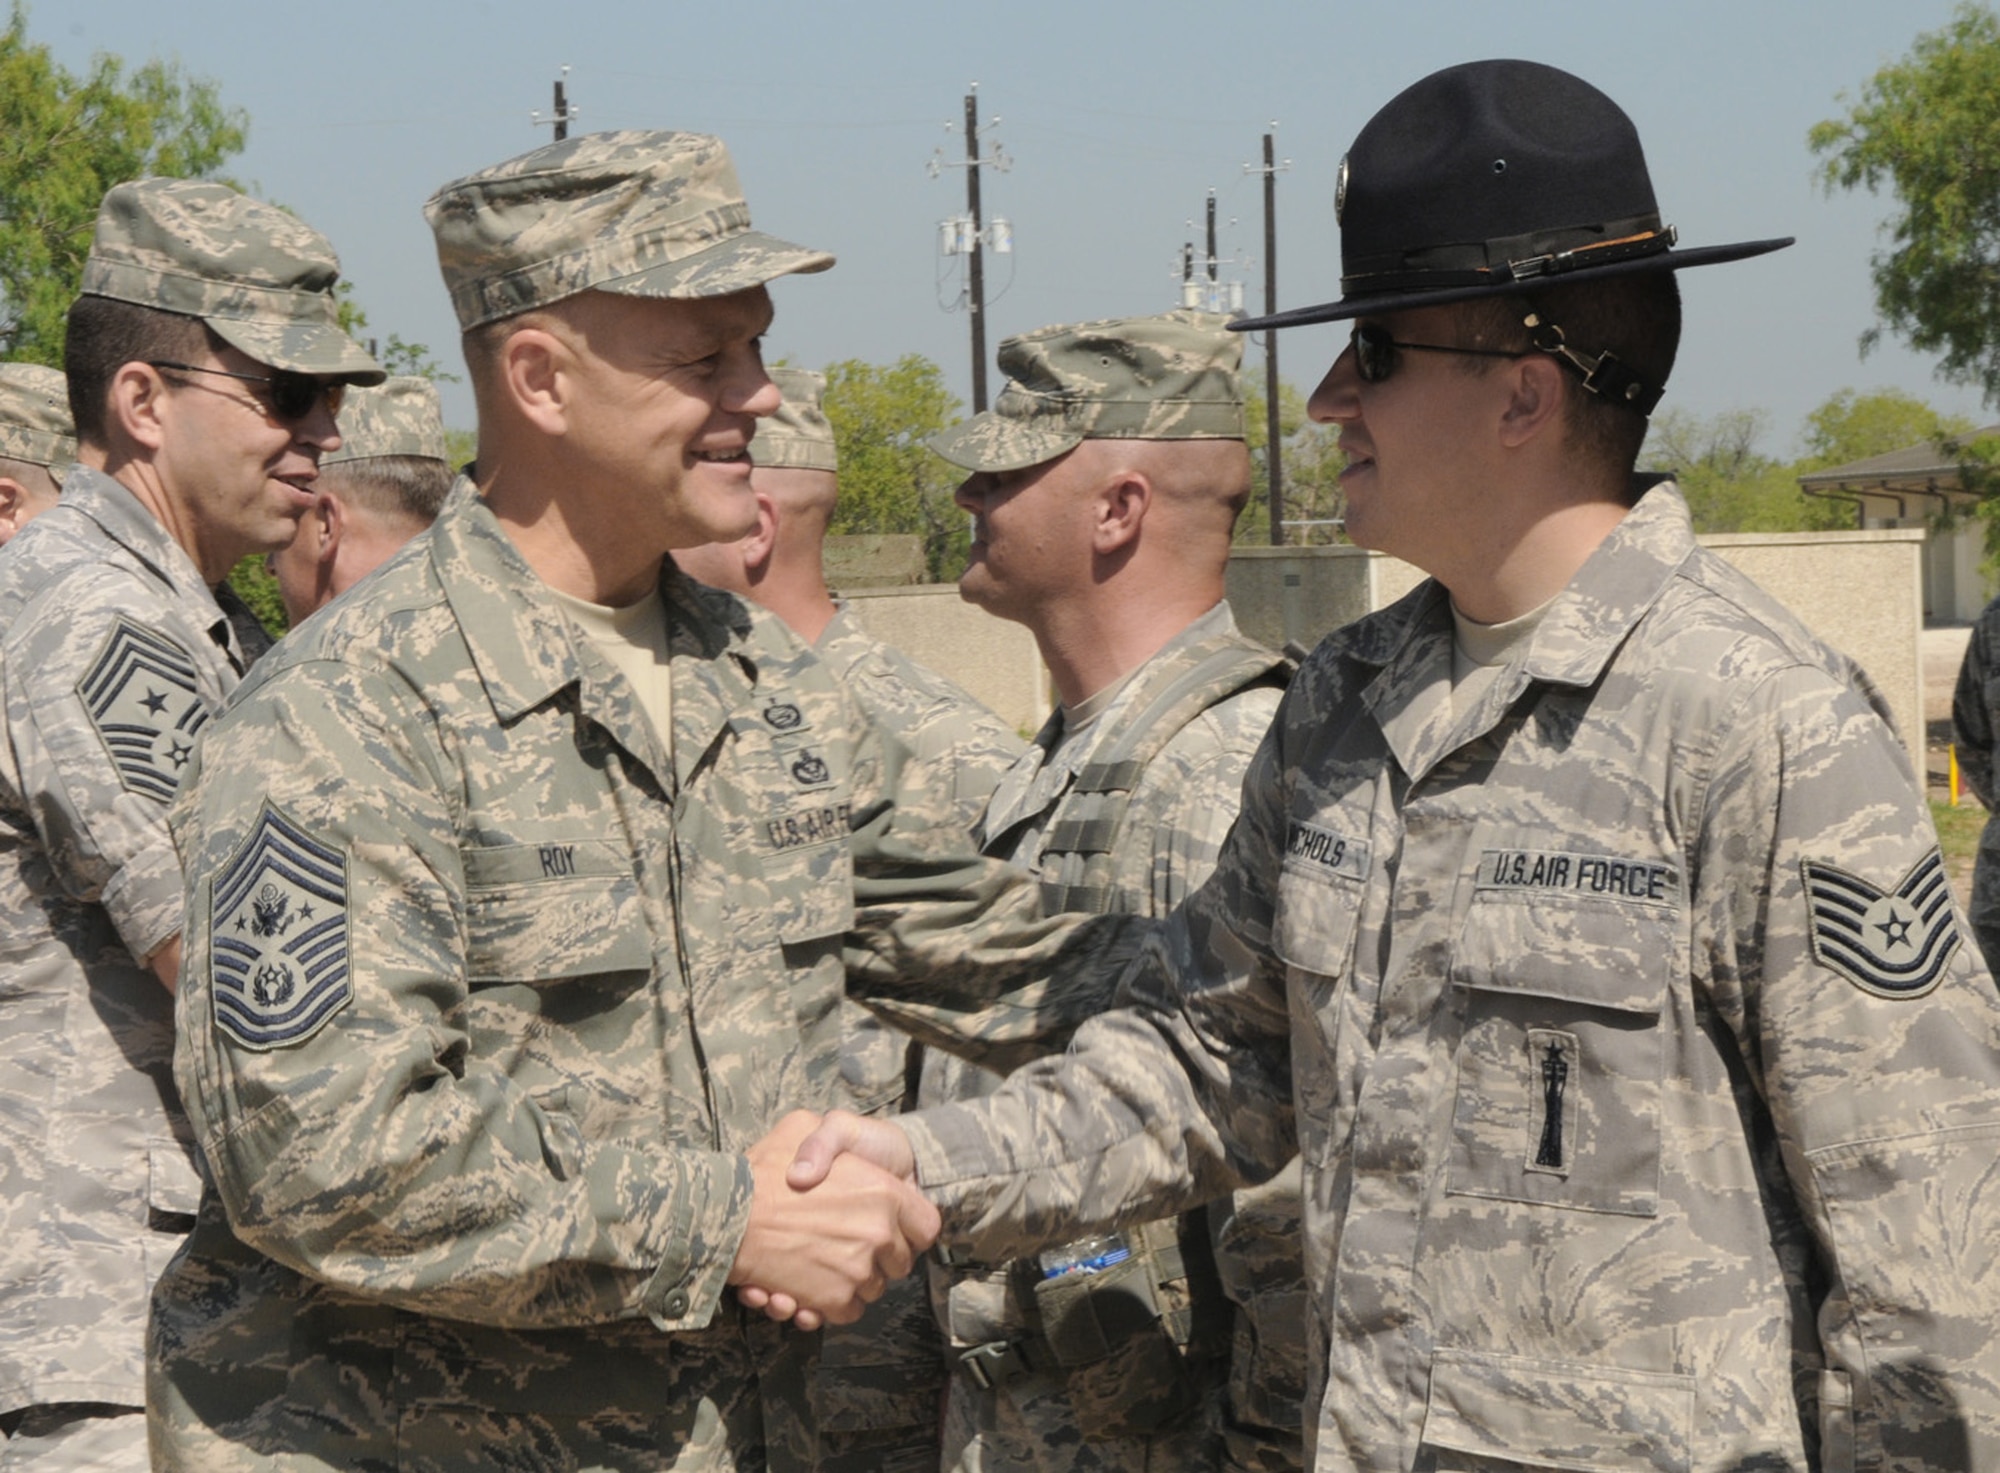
524, 650
125, 519
1409, 643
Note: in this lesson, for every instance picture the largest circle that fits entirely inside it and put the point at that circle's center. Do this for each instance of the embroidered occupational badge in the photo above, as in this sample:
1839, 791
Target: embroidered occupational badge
1893, 943
811, 771
278, 939
784, 716
142, 696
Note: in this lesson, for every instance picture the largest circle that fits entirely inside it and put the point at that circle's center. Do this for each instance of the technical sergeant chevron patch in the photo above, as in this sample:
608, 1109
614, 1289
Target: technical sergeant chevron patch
1893, 944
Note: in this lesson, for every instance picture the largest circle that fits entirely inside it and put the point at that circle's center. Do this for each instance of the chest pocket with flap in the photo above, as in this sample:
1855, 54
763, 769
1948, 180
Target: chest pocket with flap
548, 911
1559, 1064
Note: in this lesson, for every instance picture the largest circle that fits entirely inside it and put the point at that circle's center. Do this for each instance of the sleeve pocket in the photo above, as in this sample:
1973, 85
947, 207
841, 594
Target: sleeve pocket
1550, 1414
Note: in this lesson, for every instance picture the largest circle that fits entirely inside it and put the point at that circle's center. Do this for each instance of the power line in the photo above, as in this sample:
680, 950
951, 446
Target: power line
968, 235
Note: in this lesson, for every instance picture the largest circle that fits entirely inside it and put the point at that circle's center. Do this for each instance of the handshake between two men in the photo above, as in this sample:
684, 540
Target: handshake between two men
835, 1215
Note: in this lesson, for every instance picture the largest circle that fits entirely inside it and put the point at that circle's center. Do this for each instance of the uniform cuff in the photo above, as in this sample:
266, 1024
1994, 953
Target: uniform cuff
710, 1209
144, 898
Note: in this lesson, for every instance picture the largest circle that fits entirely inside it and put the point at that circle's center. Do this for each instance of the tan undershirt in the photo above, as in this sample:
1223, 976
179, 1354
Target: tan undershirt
1479, 652
634, 640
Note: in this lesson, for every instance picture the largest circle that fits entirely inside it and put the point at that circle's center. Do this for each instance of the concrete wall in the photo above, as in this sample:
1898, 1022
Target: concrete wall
995, 659
1861, 592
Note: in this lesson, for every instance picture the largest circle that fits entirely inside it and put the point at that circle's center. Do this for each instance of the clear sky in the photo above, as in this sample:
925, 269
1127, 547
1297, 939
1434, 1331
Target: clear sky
1119, 116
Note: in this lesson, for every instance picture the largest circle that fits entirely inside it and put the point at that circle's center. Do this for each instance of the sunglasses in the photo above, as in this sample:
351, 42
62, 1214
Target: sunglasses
1375, 352
292, 396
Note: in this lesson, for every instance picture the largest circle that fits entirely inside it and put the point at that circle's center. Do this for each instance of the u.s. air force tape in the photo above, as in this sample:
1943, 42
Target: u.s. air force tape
278, 936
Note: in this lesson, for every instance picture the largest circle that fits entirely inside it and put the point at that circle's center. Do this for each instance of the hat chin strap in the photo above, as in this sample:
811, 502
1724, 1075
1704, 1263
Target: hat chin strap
1605, 375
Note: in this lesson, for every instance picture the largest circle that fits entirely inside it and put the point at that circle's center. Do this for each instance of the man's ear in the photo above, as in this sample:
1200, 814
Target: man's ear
1539, 388
1123, 499
135, 405
533, 372
757, 546
13, 502
328, 522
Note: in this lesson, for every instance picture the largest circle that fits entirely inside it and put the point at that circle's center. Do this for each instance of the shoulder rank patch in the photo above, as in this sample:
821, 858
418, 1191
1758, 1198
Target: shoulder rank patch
278, 937
144, 700
1895, 943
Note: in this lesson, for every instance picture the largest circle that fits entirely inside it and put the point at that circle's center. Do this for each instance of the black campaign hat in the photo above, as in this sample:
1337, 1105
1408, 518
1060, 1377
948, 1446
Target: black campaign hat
1495, 176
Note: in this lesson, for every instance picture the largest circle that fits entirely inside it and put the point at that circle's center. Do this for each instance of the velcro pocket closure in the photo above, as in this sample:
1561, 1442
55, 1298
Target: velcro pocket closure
1313, 920
812, 888
548, 911
1559, 1414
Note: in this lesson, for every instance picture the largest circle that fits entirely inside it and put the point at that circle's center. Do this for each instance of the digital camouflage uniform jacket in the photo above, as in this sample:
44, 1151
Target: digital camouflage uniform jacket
485, 995
1180, 808
1647, 1093
113, 654
1975, 730
881, 1380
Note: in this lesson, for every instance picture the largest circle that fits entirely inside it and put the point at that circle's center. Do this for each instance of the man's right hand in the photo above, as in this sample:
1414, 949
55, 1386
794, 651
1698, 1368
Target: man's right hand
821, 1255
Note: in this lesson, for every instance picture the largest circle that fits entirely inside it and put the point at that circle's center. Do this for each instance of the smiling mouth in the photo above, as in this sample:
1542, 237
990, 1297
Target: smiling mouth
740, 455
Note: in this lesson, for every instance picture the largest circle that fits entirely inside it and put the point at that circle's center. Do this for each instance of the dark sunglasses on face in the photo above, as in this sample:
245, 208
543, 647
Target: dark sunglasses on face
1375, 352
292, 396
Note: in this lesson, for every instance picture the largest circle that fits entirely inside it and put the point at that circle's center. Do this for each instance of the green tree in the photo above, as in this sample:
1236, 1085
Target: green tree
1312, 467
1927, 129
64, 140
1851, 426
889, 482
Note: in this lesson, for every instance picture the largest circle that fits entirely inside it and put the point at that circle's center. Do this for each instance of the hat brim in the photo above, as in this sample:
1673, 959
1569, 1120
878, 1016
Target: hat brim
1356, 306
746, 260
301, 347
993, 443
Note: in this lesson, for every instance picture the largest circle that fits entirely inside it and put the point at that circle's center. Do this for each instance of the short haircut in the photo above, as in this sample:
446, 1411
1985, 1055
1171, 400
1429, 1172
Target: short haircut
411, 487
102, 336
40, 480
1638, 318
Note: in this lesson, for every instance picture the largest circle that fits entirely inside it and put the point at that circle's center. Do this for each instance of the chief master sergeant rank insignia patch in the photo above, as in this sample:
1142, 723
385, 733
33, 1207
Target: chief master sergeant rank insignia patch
1892, 943
279, 936
143, 700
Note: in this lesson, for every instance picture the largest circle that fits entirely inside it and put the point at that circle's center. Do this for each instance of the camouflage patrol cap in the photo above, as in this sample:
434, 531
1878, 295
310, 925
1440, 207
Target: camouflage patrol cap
1171, 377
260, 277
35, 426
400, 417
639, 214
799, 436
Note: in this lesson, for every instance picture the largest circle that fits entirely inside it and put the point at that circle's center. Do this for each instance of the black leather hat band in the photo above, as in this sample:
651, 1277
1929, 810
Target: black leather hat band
1510, 259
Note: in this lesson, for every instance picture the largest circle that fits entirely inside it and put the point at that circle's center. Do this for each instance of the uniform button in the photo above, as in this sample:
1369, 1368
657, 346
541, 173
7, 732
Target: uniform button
677, 1304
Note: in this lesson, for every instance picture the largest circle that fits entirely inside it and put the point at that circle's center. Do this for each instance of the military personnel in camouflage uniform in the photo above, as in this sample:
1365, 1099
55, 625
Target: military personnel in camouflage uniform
120, 642
1106, 482
1975, 731
378, 490
881, 1379
1583, 927
37, 443
524, 885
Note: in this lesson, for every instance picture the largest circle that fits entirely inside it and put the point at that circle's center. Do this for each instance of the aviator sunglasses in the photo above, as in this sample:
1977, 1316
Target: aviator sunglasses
292, 396
1375, 352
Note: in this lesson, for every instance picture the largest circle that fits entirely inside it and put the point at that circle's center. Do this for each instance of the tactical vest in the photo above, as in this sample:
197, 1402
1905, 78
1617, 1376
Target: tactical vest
1126, 1340
1080, 847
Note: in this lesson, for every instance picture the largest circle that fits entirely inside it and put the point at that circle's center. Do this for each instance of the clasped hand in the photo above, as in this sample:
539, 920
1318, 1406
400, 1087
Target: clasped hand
834, 1216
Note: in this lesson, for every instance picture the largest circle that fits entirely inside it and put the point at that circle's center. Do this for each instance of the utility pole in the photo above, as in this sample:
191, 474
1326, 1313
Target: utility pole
1274, 460
976, 268
968, 234
559, 119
